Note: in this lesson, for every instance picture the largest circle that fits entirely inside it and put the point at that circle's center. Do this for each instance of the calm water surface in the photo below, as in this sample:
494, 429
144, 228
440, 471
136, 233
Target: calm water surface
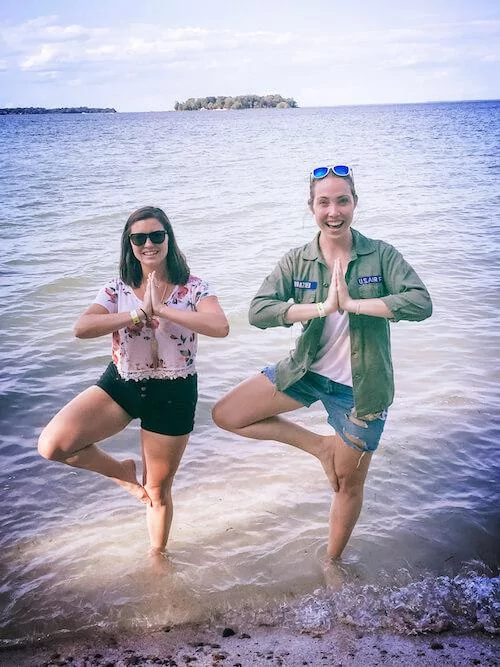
248, 541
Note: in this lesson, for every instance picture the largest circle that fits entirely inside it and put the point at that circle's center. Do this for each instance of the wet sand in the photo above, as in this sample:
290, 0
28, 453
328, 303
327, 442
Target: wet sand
247, 647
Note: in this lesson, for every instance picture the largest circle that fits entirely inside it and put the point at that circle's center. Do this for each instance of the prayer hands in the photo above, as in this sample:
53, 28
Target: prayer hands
345, 301
147, 305
155, 297
332, 300
338, 294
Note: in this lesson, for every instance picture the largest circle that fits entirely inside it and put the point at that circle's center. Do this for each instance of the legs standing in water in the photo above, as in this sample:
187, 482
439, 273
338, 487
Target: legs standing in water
346, 504
252, 409
69, 438
161, 455
93, 416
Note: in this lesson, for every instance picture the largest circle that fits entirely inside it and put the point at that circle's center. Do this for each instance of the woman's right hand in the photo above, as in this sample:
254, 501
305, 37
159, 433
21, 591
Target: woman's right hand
147, 302
331, 302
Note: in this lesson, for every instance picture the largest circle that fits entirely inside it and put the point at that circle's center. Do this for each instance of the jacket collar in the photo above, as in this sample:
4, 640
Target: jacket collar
361, 245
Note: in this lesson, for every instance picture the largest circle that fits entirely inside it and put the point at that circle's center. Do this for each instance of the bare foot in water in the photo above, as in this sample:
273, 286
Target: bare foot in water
335, 574
159, 561
326, 458
130, 484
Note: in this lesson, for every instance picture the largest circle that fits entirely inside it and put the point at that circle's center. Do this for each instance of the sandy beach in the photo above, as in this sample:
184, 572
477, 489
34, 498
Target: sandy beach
237, 647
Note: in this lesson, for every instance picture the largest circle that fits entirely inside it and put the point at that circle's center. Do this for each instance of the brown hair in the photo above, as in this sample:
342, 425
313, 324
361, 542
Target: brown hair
176, 266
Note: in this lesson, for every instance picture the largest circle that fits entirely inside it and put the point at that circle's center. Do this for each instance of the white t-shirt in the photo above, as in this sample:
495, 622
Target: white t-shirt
333, 359
132, 347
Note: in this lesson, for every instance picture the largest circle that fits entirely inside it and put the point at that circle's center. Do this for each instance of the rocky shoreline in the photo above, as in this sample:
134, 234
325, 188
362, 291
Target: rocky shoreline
250, 647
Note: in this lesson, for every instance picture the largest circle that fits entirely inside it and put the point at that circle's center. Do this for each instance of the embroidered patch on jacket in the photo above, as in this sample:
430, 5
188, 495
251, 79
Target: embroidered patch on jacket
366, 280
305, 284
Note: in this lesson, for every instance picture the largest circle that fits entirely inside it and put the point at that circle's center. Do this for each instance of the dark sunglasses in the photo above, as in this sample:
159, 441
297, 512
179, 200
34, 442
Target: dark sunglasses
155, 237
337, 170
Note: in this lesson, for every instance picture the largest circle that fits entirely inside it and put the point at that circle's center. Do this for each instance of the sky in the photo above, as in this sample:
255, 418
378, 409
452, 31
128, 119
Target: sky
144, 55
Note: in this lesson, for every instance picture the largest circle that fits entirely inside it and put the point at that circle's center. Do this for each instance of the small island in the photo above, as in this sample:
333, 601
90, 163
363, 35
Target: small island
42, 110
223, 103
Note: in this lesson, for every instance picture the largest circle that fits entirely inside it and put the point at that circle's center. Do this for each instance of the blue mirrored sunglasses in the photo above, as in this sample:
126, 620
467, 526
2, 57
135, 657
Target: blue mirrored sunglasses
337, 170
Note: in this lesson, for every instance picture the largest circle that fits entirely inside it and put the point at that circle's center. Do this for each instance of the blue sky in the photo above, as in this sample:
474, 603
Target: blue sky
143, 55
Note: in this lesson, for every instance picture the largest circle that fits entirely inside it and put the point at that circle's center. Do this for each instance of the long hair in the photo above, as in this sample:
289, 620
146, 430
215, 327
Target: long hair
176, 266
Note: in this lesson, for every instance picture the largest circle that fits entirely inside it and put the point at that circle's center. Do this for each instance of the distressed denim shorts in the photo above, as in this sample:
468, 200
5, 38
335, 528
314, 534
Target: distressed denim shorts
363, 435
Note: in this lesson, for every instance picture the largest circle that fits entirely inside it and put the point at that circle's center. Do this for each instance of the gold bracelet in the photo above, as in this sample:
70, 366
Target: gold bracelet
321, 309
358, 306
135, 316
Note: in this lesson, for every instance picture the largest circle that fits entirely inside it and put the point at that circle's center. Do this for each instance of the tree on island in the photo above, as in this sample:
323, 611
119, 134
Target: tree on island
238, 102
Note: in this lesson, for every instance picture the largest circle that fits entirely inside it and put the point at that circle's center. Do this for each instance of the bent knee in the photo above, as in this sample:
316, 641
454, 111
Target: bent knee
50, 447
224, 417
219, 415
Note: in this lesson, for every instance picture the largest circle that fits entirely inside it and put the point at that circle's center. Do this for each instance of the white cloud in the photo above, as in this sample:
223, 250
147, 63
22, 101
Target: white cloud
45, 29
43, 41
48, 75
45, 55
235, 61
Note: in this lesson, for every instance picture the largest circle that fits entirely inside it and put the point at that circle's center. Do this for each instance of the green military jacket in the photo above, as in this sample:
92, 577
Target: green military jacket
375, 270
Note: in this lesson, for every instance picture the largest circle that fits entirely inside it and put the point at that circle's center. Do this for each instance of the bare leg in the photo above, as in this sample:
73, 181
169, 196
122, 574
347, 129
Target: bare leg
251, 410
161, 457
346, 504
70, 436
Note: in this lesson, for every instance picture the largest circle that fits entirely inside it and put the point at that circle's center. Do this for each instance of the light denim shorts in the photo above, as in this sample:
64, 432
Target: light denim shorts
363, 435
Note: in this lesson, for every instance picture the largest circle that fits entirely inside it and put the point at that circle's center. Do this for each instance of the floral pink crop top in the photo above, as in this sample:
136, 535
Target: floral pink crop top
132, 347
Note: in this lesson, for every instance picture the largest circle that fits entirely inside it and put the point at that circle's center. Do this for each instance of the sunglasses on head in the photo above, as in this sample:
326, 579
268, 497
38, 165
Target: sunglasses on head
156, 237
337, 170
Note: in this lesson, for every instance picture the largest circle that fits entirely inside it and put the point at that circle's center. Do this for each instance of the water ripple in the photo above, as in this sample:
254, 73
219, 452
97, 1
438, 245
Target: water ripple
252, 540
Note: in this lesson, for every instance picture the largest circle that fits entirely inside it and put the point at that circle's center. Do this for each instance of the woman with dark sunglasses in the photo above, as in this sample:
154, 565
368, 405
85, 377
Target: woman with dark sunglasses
344, 288
154, 311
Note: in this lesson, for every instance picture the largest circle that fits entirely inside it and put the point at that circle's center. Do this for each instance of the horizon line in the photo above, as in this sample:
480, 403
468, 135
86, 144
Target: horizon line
312, 106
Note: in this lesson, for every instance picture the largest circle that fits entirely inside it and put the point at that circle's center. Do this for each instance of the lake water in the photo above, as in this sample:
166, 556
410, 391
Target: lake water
248, 541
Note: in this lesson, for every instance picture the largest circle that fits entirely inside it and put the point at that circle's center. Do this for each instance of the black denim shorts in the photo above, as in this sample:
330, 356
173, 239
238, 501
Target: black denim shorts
163, 406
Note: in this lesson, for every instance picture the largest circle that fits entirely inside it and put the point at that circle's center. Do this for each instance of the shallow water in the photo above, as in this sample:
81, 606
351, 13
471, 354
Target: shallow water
248, 540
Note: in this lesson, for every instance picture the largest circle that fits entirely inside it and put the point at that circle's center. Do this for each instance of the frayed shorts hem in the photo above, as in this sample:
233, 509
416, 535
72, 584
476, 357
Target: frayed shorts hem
362, 435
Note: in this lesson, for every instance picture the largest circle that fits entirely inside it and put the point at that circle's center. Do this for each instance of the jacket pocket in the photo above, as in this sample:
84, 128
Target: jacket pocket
371, 291
306, 296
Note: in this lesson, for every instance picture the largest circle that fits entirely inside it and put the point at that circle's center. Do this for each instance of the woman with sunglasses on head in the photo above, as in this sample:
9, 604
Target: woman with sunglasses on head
154, 311
344, 288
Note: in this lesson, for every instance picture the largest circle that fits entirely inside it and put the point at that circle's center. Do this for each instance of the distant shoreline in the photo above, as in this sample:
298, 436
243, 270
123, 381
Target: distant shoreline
85, 110
41, 110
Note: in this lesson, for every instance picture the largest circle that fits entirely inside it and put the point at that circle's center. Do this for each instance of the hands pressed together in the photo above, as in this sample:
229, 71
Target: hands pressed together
152, 302
338, 295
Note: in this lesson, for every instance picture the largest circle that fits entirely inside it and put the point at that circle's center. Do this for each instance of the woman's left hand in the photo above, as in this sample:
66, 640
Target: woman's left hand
147, 306
345, 301
154, 291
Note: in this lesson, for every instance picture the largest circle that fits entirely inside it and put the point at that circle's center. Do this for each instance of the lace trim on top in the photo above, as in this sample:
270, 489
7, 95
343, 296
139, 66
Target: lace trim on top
157, 374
